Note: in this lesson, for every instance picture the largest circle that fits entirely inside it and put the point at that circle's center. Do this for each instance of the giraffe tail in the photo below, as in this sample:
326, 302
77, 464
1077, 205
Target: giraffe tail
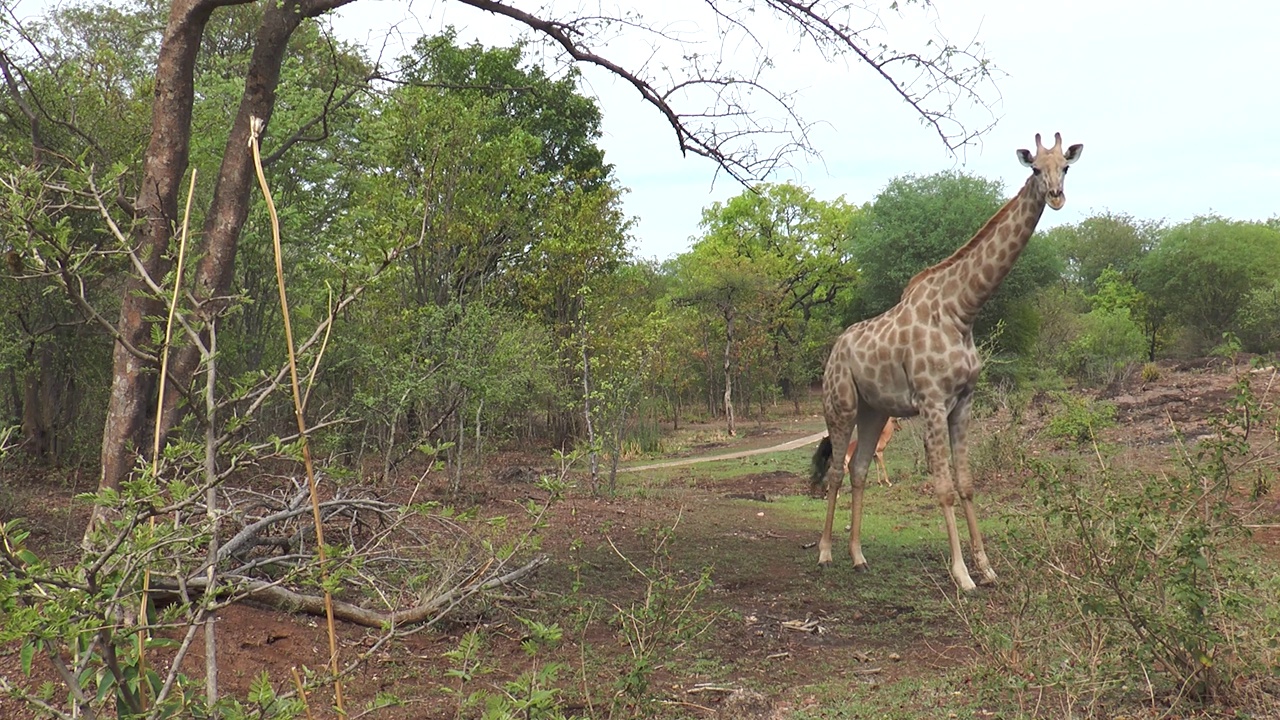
821, 461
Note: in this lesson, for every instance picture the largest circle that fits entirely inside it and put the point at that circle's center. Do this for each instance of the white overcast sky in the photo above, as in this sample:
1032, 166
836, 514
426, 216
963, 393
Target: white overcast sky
1176, 102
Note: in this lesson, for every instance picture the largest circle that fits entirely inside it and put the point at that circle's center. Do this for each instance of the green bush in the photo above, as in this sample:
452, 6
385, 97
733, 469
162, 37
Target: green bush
1258, 320
1138, 587
1079, 418
1109, 341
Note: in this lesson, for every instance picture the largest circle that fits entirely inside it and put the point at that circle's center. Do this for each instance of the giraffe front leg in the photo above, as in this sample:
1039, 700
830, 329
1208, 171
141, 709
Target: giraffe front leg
959, 428
936, 442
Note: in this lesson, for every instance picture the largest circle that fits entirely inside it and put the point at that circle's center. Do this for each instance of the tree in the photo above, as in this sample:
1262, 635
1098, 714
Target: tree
1107, 338
734, 294
795, 242
1107, 240
1203, 271
1108, 250
1258, 320
566, 123
505, 216
621, 332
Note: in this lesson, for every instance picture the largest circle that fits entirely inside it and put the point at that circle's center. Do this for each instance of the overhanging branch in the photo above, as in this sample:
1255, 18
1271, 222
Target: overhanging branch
935, 84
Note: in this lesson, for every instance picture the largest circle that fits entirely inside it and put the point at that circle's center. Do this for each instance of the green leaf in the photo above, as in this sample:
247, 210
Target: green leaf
26, 654
106, 684
260, 690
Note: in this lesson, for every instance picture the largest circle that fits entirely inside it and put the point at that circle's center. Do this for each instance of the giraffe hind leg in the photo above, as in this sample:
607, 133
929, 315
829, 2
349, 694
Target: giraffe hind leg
834, 478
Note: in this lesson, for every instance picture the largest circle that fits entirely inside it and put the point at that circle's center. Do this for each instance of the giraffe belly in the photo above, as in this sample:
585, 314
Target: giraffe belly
891, 393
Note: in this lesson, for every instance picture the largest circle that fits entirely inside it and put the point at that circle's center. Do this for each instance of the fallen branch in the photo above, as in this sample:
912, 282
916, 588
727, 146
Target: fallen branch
248, 536
282, 598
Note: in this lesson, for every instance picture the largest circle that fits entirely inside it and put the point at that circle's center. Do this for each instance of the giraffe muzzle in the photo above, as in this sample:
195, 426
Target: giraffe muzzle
1057, 199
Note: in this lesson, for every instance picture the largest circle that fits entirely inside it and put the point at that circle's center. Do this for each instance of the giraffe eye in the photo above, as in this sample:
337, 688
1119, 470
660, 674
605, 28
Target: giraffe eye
1035, 171
1065, 169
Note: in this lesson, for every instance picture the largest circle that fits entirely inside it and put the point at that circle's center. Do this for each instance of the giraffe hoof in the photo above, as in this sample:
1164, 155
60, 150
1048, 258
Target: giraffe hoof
863, 567
988, 579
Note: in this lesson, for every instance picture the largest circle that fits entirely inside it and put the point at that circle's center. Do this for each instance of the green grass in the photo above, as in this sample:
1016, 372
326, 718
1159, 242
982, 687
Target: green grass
958, 693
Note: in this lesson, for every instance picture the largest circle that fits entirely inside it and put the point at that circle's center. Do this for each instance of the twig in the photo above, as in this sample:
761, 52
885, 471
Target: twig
302, 691
256, 126
709, 688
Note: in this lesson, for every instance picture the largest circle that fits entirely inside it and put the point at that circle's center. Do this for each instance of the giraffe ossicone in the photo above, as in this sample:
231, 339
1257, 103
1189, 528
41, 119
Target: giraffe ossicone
918, 359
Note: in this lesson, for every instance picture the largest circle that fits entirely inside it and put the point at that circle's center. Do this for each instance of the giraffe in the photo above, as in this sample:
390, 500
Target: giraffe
885, 436
918, 358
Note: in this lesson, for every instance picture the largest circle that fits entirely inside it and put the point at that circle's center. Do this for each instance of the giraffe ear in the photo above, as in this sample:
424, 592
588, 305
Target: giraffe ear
1024, 157
1074, 152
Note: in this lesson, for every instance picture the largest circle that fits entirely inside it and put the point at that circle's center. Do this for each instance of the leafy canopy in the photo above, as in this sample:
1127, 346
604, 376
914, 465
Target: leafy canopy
1204, 270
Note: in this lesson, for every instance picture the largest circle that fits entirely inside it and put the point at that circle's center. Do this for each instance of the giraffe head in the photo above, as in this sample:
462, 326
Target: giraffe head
1049, 168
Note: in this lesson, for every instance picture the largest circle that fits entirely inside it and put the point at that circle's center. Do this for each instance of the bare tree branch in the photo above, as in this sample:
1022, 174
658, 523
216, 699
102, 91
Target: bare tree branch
729, 130
289, 600
11, 82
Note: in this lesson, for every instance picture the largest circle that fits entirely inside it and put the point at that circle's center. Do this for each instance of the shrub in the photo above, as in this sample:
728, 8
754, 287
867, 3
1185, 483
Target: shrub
1002, 452
1079, 418
1258, 320
1150, 372
1133, 587
1109, 341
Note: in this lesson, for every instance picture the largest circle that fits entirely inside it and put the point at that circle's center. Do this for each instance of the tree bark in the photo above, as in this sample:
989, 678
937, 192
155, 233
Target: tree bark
728, 376
164, 166
593, 458
35, 433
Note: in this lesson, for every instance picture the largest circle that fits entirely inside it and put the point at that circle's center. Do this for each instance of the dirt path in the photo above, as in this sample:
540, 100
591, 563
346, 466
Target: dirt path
789, 445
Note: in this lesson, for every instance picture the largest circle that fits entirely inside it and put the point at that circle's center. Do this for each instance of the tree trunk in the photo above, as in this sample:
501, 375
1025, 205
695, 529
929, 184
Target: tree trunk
15, 399
728, 377
592, 457
164, 164
479, 410
42, 405
617, 449
35, 436
164, 167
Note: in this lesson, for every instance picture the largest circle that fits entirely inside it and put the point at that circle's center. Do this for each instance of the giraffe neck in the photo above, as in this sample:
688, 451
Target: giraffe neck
972, 274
